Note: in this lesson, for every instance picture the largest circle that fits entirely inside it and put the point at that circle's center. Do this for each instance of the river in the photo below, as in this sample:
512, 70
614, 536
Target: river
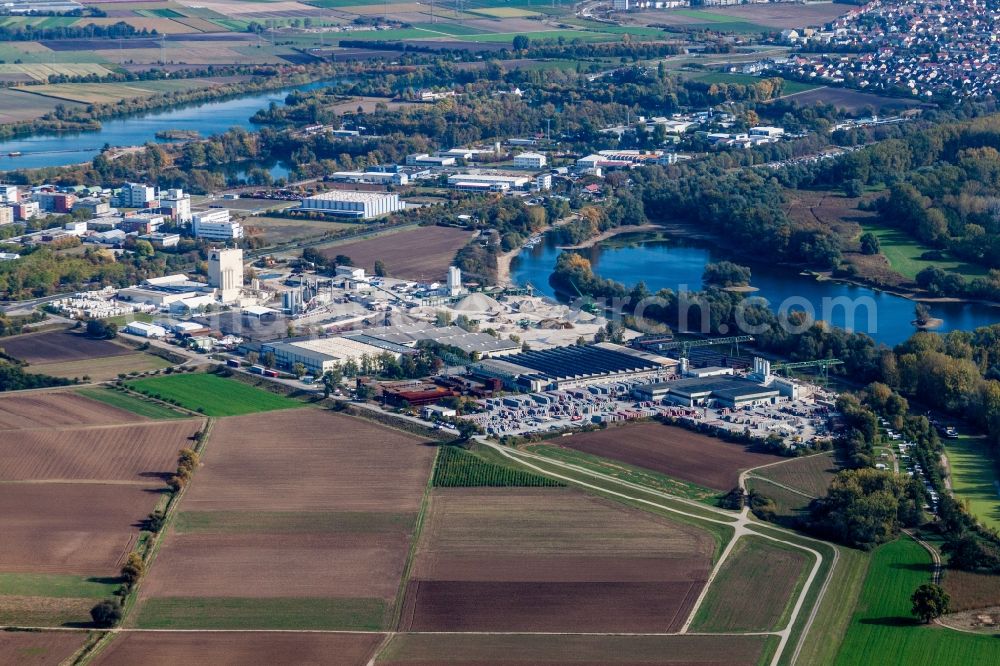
207, 118
676, 265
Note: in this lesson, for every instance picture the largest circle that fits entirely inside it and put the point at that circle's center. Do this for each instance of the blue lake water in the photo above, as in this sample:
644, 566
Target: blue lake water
207, 118
675, 265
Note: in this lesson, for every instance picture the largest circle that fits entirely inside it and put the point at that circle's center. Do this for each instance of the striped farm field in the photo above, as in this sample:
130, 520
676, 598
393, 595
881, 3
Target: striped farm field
164, 26
104, 93
135, 452
212, 395
551, 559
534, 649
504, 12
755, 588
316, 508
41, 72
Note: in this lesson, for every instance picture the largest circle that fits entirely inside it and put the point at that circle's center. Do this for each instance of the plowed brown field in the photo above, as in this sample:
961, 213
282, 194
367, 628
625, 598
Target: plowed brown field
293, 506
444, 605
673, 451
58, 408
53, 346
121, 453
35, 648
237, 648
310, 459
292, 565
551, 560
417, 254
549, 650
74, 528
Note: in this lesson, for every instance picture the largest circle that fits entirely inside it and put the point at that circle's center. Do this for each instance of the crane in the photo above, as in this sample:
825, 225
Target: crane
687, 345
824, 365
588, 304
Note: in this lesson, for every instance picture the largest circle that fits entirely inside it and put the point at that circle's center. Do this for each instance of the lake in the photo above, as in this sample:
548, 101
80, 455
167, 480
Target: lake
207, 118
678, 265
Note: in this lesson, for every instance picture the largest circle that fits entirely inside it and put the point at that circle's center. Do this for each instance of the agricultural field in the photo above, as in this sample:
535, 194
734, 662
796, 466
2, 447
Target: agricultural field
17, 106
63, 353
755, 588
315, 507
973, 473
882, 623
787, 88
278, 231
629, 473
673, 451
418, 254
109, 93
57, 409
169, 649
854, 101
533, 649
139, 452
551, 559
132, 403
810, 474
212, 395
36, 648
970, 591
457, 468
42, 72
71, 493
59, 346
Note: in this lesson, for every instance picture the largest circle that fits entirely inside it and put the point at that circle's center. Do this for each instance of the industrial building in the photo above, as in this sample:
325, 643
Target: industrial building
371, 177
216, 225
529, 161
488, 182
360, 205
570, 367
323, 354
179, 205
719, 387
135, 195
225, 273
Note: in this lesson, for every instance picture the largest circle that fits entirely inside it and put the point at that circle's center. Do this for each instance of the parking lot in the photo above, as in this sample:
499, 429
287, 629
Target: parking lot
798, 421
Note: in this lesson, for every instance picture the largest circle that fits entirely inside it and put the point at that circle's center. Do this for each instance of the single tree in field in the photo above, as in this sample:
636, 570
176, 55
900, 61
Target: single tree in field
106, 614
870, 243
133, 568
520, 43
930, 601
380, 269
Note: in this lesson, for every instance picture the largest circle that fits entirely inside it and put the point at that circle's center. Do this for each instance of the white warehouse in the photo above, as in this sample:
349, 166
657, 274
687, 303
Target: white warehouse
215, 225
362, 205
529, 161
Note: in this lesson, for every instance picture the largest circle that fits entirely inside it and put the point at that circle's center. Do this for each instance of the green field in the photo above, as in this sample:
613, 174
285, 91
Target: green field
787, 88
130, 403
448, 28
973, 477
836, 609
257, 613
212, 395
629, 473
755, 588
903, 253
55, 585
458, 468
883, 630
